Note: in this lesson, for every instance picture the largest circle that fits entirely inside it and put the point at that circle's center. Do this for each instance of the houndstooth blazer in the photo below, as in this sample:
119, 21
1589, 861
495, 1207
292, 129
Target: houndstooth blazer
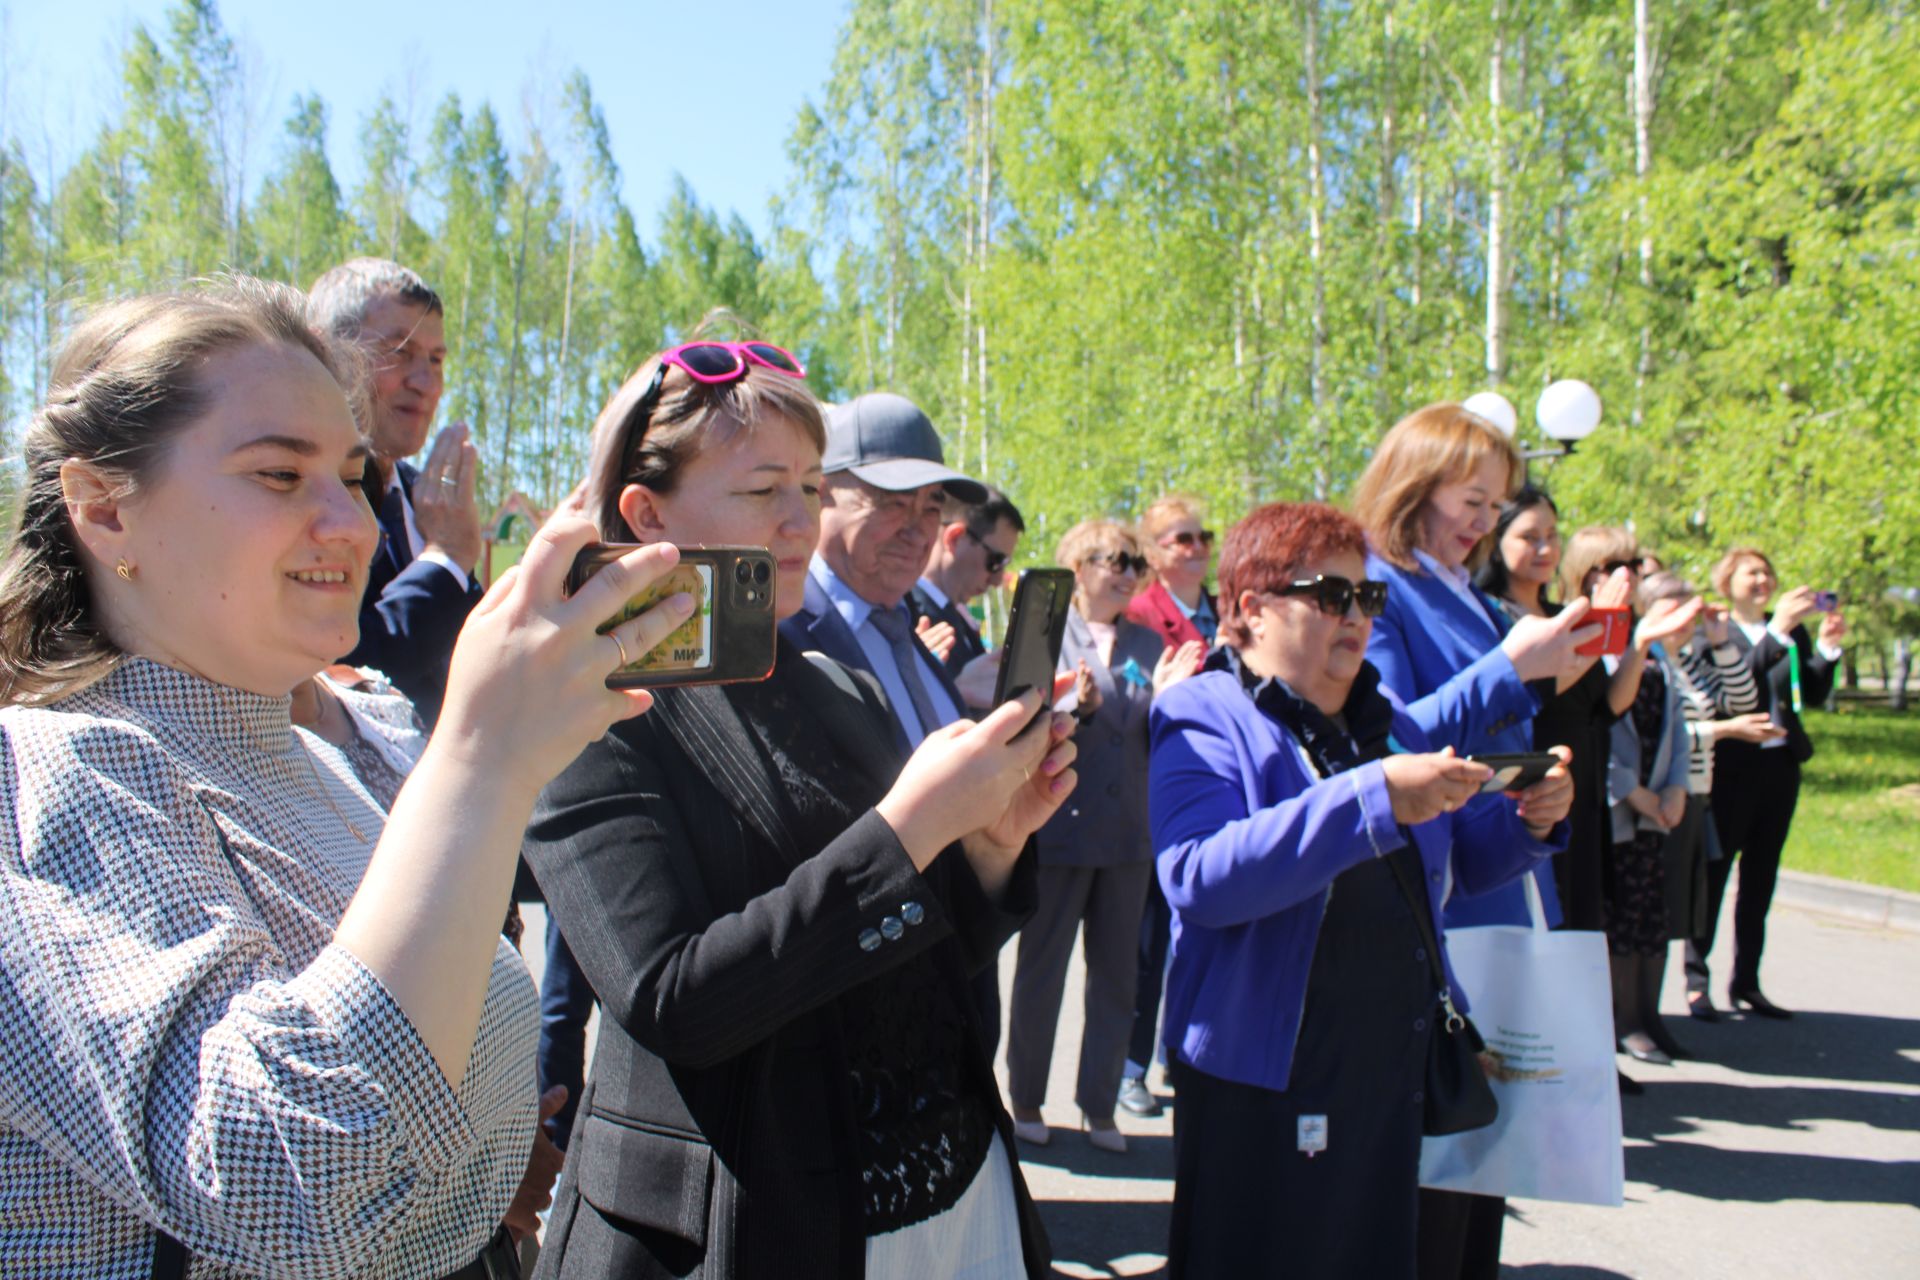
181, 1046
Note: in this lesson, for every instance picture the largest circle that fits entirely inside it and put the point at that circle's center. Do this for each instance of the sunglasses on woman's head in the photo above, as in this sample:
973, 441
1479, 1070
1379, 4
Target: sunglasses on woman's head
1121, 562
996, 560
710, 364
1615, 566
1187, 537
1335, 595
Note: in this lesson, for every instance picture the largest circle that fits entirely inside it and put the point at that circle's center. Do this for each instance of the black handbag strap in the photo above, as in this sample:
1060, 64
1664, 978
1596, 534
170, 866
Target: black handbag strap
1422, 915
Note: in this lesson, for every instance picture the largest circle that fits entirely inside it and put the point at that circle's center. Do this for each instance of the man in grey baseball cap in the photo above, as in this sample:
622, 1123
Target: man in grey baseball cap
886, 440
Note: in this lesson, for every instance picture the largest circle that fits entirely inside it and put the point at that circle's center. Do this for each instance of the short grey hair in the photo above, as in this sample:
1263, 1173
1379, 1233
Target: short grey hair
339, 300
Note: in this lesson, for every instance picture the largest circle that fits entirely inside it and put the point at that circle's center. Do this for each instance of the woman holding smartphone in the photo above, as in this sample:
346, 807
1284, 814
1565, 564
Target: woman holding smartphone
779, 915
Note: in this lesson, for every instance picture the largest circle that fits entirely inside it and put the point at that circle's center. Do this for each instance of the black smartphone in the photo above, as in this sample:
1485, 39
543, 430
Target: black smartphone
729, 636
1036, 628
1515, 771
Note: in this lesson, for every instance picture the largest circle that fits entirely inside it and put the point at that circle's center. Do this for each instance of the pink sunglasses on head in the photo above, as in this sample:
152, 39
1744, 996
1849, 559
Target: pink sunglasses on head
716, 362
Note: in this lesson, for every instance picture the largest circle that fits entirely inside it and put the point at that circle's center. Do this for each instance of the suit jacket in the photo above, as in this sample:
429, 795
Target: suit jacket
1104, 822
411, 616
1668, 768
1773, 675
967, 646
1250, 841
1155, 607
716, 1138
1443, 658
819, 626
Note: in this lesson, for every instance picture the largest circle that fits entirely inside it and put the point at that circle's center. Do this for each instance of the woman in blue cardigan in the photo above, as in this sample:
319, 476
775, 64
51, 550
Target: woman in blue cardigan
1301, 821
1429, 500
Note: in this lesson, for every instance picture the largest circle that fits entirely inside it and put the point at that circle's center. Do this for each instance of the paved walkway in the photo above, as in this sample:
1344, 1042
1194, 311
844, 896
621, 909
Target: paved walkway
1788, 1149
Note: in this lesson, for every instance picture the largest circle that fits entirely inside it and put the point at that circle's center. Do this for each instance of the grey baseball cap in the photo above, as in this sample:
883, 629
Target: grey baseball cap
885, 440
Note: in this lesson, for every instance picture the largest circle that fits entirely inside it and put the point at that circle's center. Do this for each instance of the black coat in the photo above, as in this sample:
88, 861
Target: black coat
716, 1137
967, 644
1773, 675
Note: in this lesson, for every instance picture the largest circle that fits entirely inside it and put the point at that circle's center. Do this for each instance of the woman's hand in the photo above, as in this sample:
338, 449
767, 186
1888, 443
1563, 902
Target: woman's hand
1614, 590
1422, 787
966, 770
1792, 609
1754, 726
1086, 691
527, 688
1543, 648
939, 637
1833, 629
1547, 801
1665, 620
1713, 620
1645, 801
543, 1167
1673, 806
992, 850
1176, 665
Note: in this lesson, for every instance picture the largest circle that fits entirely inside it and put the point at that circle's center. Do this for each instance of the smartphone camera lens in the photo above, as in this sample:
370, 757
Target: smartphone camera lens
742, 571
761, 573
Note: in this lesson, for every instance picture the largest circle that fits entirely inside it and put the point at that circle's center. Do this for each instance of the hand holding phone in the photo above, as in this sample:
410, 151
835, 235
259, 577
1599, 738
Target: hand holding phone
1514, 771
728, 638
1036, 629
1617, 622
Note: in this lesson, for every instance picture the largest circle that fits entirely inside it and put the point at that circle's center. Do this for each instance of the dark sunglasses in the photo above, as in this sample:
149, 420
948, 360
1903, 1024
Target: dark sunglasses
1121, 562
1335, 595
710, 364
1187, 537
996, 560
1615, 566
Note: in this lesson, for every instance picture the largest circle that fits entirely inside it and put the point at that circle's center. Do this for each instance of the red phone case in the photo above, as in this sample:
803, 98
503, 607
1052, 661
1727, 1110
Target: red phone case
1617, 624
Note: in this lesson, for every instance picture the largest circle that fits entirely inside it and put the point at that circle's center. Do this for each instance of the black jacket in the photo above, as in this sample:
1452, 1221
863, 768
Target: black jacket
716, 1135
967, 644
1773, 674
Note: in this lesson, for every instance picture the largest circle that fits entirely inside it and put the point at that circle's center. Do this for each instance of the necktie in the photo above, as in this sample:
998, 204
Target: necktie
393, 523
893, 627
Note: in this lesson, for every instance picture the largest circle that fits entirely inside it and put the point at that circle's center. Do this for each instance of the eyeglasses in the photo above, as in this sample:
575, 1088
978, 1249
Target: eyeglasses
1121, 562
1615, 566
1187, 537
1335, 595
996, 560
710, 364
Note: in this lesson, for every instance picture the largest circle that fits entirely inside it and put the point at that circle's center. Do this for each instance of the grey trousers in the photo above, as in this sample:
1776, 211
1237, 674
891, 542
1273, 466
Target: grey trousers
1108, 900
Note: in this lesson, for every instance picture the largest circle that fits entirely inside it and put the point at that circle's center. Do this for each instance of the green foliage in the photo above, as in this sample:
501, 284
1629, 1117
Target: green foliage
1859, 814
1117, 247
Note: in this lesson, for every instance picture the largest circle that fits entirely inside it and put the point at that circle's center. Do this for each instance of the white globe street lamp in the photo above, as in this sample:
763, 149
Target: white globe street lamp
1495, 408
1568, 411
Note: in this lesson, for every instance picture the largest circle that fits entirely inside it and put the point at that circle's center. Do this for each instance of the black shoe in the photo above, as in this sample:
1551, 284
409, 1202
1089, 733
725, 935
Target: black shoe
1668, 1045
1700, 1005
1753, 1002
1136, 1098
1648, 1052
1629, 1087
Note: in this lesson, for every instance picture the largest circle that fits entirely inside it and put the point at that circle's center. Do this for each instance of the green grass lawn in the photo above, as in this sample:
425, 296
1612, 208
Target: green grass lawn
1853, 821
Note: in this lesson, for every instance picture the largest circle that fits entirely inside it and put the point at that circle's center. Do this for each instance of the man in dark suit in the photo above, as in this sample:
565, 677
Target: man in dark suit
883, 491
420, 586
973, 549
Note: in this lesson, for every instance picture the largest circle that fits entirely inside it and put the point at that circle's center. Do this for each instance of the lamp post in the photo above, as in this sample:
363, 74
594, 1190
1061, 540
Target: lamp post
1567, 413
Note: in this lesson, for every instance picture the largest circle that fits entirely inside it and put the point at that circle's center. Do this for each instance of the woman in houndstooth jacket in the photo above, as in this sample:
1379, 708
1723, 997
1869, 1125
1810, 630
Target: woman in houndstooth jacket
250, 1021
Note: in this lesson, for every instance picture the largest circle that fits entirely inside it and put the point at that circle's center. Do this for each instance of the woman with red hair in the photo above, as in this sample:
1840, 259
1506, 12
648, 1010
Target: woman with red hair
1306, 833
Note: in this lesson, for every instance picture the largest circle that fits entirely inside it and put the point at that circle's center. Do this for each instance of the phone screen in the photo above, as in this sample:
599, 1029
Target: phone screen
689, 647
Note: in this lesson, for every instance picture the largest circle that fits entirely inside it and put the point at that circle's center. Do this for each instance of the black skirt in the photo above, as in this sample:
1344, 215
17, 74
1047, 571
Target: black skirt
1247, 1201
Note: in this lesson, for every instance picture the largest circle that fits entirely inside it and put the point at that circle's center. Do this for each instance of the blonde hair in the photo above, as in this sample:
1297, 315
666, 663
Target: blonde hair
1722, 575
1090, 538
1587, 550
128, 379
1162, 514
1432, 446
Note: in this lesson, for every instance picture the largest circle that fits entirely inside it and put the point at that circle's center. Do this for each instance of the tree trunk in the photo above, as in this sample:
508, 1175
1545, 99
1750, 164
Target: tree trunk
1496, 328
1642, 164
1384, 275
1902, 668
1319, 430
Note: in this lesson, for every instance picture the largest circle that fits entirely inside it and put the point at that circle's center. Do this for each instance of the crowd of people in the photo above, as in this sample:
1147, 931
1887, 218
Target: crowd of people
275, 772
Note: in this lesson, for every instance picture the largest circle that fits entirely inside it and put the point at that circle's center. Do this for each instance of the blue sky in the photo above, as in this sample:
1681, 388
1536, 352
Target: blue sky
706, 90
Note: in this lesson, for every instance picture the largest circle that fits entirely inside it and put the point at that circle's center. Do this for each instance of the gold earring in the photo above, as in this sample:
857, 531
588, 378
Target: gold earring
125, 570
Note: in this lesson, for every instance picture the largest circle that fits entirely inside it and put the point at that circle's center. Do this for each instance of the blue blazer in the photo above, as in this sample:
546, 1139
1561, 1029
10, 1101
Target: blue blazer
1444, 660
1249, 841
819, 626
411, 616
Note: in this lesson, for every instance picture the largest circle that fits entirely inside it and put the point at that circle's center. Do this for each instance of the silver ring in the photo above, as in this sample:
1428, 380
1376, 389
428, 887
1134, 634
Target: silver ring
447, 480
622, 648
